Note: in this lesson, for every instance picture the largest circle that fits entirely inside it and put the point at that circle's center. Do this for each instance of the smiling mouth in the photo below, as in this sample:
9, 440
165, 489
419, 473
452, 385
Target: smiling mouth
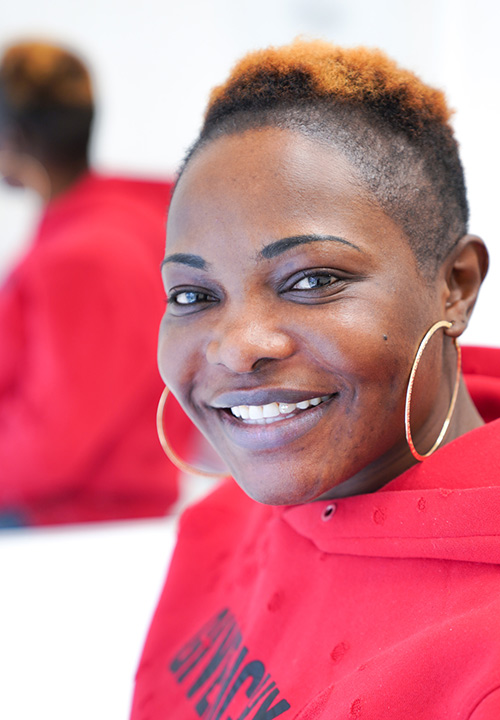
274, 411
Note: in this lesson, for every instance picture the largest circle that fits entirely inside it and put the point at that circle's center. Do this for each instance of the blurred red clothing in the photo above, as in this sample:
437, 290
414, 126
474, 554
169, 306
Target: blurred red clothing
79, 385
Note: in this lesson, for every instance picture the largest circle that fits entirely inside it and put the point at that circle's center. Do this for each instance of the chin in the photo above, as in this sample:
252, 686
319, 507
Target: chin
289, 491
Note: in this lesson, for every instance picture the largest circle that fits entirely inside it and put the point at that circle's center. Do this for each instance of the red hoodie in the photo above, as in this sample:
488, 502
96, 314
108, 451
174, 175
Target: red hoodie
376, 606
78, 379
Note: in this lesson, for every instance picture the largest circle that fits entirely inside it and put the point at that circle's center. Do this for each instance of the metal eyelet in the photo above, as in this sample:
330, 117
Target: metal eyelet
328, 512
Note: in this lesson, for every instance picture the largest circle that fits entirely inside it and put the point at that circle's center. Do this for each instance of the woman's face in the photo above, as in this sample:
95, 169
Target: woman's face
295, 308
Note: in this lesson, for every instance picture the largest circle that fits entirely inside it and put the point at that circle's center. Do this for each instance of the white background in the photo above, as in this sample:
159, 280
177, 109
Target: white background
76, 602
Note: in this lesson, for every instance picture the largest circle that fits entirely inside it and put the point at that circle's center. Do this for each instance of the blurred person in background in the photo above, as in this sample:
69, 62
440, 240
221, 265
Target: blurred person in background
79, 315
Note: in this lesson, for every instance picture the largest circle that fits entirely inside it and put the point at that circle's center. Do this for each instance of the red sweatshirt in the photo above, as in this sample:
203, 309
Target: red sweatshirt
78, 380
376, 606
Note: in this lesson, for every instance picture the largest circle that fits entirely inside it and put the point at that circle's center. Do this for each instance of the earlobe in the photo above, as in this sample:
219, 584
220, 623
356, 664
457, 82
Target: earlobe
466, 268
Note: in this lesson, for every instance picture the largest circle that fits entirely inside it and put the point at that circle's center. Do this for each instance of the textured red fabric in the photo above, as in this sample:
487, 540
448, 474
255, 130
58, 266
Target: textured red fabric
481, 368
79, 386
379, 606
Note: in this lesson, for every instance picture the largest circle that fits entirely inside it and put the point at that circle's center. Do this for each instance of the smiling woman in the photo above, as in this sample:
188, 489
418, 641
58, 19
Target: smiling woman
318, 273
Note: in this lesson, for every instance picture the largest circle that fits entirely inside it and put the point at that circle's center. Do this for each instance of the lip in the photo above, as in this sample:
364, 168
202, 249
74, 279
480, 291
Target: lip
264, 396
272, 436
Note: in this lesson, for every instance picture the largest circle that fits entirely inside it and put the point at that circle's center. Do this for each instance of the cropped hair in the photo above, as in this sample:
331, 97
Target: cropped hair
392, 127
46, 93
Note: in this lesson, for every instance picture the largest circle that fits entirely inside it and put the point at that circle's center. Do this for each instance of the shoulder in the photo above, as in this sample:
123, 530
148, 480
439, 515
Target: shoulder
125, 197
211, 535
107, 211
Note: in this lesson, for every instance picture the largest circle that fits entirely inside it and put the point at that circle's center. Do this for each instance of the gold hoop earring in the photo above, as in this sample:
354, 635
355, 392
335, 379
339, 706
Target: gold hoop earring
170, 452
409, 390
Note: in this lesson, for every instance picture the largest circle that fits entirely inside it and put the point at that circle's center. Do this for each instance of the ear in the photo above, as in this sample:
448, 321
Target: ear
465, 269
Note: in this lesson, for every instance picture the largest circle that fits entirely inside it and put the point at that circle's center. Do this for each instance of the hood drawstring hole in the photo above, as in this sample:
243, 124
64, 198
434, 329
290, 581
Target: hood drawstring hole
328, 512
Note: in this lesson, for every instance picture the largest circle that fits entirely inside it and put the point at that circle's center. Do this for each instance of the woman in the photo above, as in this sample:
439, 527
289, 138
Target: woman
319, 274
78, 382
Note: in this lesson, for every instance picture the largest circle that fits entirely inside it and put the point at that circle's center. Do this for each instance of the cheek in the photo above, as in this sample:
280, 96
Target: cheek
176, 360
370, 362
363, 353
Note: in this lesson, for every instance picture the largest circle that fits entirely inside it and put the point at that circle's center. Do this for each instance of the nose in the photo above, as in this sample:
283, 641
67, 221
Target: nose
243, 343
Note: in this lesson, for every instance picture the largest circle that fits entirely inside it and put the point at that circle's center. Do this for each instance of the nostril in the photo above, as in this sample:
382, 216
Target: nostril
240, 355
260, 362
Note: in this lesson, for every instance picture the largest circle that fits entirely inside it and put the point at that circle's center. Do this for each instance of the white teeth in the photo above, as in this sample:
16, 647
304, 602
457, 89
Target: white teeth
271, 410
274, 409
255, 412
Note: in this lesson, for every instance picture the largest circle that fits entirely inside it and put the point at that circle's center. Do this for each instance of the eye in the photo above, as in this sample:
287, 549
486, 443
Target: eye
186, 300
312, 282
189, 297
316, 285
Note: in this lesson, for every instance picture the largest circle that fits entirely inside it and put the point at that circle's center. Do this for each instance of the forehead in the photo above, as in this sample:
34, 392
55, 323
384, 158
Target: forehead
264, 184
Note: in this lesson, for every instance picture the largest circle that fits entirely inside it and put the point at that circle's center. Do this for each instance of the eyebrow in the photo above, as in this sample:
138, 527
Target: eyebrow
269, 251
195, 261
285, 244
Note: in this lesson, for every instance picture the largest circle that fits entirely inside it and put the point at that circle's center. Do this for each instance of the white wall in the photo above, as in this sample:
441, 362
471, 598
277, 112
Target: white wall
156, 60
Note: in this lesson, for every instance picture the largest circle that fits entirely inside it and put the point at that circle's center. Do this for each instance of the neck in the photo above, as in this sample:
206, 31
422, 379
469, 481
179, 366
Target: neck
48, 180
61, 178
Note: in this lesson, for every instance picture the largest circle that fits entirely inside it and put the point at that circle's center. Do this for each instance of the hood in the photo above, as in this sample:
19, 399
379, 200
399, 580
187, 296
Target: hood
447, 507
481, 371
